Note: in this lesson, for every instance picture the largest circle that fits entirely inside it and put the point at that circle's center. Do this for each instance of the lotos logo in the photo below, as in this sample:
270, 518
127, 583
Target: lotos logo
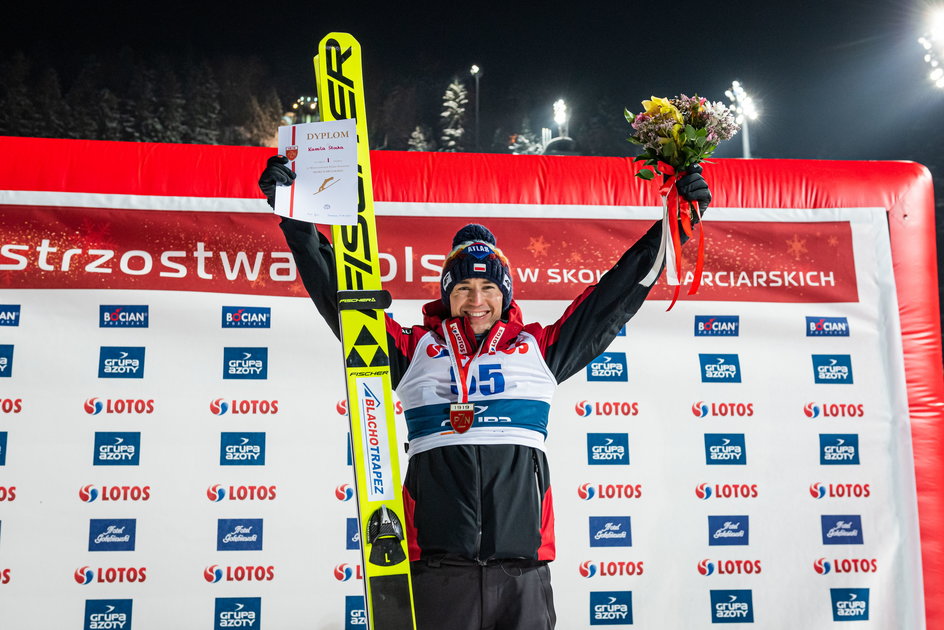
6, 360
237, 612
608, 367
717, 325
242, 449
846, 565
607, 449
842, 529
589, 568
732, 606
107, 614
728, 530
110, 316
822, 566
117, 448
725, 449
706, 567
827, 327
341, 407
95, 406
121, 362
245, 363
729, 567
726, 491
11, 405
611, 608
90, 493
247, 317
219, 407
841, 490
9, 314
583, 409
850, 604
838, 449
213, 574
701, 409
216, 493
240, 573
110, 575
7, 493
239, 534
609, 408
586, 492
832, 368
720, 368
344, 492
84, 575
436, 351
610, 531
344, 572
610, 491
834, 410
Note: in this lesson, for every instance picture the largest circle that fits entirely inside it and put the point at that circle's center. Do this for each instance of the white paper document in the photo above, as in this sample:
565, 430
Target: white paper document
324, 156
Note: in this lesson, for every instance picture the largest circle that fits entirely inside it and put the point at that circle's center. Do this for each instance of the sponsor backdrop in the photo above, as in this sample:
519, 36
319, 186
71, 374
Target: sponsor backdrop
173, 438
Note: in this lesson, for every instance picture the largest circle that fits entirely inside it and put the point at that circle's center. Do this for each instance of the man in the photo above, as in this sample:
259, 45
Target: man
477, 495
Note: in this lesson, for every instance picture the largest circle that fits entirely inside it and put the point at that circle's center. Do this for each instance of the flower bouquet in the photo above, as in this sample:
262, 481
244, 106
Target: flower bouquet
677, 134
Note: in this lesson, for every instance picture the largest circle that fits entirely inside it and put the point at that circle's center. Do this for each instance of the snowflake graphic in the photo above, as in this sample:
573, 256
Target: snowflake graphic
538, 246
796, 246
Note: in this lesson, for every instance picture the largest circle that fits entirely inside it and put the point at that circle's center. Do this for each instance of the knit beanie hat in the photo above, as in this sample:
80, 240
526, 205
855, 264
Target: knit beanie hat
474, 255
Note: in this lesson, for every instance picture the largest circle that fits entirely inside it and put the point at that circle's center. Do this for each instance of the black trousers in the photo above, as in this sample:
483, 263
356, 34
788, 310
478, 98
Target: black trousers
508, 595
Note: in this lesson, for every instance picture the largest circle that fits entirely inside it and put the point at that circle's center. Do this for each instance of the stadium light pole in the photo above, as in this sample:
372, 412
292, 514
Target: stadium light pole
560, 116
745, 110
476, 74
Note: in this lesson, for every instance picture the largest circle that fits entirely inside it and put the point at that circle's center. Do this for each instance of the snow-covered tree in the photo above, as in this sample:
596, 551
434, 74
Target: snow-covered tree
420, 140
453, 117
525, 141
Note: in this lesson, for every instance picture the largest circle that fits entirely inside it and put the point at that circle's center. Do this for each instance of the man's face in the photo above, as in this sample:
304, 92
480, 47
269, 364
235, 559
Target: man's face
478, 300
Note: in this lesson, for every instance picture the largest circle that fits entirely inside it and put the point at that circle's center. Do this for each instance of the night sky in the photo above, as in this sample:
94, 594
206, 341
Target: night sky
833, 78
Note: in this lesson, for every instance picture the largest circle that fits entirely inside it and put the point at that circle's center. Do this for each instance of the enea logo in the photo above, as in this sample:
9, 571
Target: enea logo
237, 612
239, 534
111, 316
717, 325
105, 614
245, 363
247, 317
725, 449
242, 449
832, 368
608, 367
95, 406
834, 410
9, 314
838, 449
344, 492
607, 449
702, 409
728, 530
121, 362
850, 604
611, 608
585, 408
610, 531
732, 606
355, 613
720, 368
589, 491
110, 534
353, 538
842, 529
117, 448
6, 360
827, 327
3, 448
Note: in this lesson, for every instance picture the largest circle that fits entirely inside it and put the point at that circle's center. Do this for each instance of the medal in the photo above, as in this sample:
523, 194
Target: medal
461, 416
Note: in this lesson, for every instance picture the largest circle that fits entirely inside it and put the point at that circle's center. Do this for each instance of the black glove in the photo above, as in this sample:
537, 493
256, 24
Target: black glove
692, 186
275, 174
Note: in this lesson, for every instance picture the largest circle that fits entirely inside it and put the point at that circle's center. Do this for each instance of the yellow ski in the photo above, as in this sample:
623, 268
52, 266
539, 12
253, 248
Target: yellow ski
362, 301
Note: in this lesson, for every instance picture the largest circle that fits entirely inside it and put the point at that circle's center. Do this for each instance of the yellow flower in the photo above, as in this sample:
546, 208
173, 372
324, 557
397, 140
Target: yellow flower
657, 106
